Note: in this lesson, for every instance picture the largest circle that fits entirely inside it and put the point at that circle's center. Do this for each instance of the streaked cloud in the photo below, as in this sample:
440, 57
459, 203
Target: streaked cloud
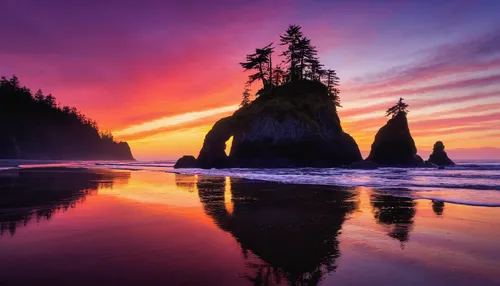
173, 120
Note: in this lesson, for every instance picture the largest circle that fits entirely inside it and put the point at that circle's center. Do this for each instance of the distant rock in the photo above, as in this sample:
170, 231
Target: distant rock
295, 125
364, 165
439, 156
186, 162
394, 146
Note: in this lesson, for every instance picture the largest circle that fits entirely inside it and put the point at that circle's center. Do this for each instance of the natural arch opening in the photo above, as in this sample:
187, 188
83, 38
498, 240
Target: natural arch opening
229, 143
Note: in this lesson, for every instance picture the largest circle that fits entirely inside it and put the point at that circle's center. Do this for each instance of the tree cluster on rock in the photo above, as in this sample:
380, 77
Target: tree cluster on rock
301, 62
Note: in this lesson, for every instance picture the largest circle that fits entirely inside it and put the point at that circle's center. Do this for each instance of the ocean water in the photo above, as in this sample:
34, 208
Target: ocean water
144, 224
470, 182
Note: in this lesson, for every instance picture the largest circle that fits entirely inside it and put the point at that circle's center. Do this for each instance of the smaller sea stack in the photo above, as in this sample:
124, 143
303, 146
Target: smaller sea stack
439, 156
186, 162
393, 145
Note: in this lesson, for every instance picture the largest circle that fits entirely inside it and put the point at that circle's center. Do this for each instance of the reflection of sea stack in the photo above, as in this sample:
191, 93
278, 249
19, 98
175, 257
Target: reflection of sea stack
293, 230
439, 156
393, 145
438, 207
395, 212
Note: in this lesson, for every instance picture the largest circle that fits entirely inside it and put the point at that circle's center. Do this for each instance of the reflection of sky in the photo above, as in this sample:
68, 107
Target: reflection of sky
150, 228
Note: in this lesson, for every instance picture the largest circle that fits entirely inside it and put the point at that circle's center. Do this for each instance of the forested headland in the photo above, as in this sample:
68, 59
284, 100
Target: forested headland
35, 126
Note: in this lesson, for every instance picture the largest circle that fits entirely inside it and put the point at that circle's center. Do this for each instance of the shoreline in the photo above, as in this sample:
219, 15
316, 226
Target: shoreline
390, 191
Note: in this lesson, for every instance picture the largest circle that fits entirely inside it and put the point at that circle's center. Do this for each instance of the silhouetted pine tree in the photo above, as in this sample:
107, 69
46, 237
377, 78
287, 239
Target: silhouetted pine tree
292, 37
245, 96
399, 108
261, 62
302, 62
332, 82
278, 76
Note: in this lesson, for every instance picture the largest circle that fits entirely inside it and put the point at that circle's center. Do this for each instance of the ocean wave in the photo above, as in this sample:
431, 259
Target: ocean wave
464, 184
7, 168
354, 178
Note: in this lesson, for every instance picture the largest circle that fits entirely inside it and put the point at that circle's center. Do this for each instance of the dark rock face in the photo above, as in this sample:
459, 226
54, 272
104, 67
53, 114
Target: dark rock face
186, 162
291, 142
295, 126
439, 156
394, 146
213, 152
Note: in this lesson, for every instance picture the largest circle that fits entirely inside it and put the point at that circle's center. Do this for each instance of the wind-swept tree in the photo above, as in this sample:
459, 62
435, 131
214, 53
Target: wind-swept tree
261, 62
245, 101
292, 37
278, 76
311, 68
332, 82
315, 68
301, 62
399, 108
305, 52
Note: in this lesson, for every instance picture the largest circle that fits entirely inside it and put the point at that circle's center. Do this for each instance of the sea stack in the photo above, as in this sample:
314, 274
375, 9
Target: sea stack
439, 156
186, 162
293, 120
295, 125
393, 145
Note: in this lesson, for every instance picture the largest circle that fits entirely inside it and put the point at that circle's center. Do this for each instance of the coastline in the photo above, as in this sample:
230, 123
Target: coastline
386, 180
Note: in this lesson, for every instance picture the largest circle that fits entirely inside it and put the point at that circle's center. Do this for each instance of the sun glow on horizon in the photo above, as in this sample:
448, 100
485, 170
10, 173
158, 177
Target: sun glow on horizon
174, 120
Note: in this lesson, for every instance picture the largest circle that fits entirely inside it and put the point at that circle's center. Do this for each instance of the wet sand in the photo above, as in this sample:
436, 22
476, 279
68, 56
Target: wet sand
103, 227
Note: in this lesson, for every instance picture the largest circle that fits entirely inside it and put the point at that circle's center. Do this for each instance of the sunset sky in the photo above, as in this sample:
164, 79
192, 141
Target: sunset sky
160, 73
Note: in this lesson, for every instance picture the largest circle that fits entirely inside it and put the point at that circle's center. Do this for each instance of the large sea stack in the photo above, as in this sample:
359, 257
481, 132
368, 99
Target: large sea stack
439, 156
294, 125
394, 146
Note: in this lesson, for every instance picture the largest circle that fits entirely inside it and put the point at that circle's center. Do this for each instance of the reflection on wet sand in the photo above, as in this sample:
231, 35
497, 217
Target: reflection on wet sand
396, 213
38, 194
156, 228
187, 182
293, 230
438, 207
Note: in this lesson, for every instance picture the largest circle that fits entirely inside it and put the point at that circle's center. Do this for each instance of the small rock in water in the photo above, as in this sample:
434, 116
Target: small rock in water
186, 162
439, 156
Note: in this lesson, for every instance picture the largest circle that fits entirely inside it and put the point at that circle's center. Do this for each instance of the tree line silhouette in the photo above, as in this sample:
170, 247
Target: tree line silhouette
301, 62
36, 126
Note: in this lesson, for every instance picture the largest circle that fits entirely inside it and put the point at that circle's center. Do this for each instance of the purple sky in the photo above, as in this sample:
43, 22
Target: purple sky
126, 63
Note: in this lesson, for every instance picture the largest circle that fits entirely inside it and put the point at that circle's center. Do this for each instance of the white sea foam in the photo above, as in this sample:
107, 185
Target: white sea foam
465, 184
472, 183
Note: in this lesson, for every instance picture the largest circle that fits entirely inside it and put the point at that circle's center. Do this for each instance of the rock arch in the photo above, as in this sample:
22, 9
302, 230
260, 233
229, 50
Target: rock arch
213, 153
